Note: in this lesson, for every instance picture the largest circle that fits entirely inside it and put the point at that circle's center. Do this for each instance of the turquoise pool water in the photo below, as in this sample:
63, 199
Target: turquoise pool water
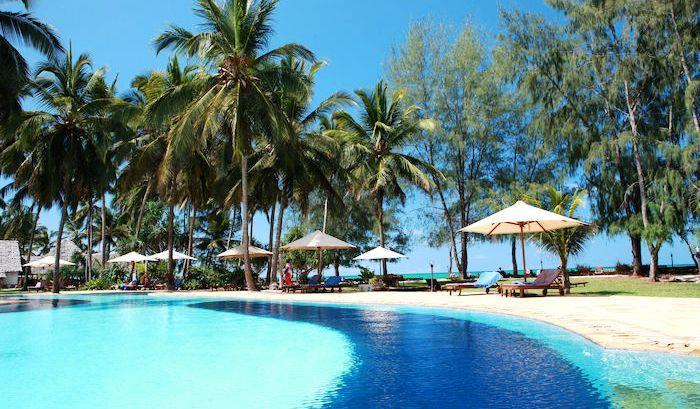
131, 351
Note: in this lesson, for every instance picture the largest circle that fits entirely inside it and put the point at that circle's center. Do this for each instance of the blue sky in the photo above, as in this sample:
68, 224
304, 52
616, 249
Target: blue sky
355, 37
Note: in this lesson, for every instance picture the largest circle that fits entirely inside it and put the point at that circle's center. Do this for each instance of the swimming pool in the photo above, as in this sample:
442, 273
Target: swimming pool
134, 350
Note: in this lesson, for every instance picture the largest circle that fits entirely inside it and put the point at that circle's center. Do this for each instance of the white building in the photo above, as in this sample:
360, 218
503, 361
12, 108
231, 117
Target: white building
10, 263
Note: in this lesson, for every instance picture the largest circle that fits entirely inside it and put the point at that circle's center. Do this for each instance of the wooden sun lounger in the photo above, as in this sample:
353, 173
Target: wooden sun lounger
459, 287
546, 280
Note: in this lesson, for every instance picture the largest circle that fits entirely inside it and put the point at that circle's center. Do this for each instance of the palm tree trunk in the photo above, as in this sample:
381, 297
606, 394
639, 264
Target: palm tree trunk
245, 240
142, 209
278, 238
380, 225
91, 205
103, 233
230, 233
271, 241
170, 277
56, 265
565, 273
190, 241
31, 247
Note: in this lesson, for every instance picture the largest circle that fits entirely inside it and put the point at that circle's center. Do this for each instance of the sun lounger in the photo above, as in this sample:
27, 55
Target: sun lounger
486, 281
332, 283
546, 280
39, 286
132, 286
312, 285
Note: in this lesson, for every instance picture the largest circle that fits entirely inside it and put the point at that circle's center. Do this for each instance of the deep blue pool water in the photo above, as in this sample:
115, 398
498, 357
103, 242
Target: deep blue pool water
141, 351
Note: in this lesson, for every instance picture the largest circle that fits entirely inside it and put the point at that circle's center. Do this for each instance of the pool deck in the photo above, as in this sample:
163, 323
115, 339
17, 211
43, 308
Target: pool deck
618, 322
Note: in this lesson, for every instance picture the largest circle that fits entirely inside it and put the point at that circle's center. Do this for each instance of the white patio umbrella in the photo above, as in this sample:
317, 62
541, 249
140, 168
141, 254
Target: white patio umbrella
48, 261
318, 241
132, 258
237, 252
379, 253
521, 218
163, 255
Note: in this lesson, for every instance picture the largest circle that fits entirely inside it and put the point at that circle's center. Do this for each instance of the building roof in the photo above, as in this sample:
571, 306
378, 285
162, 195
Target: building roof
68, 248
10, 260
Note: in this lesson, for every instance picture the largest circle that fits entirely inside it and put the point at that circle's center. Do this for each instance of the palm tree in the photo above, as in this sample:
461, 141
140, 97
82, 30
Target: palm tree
563, 242
61, 154
233, 102
20, 27
299, 158
376, 145
158, 155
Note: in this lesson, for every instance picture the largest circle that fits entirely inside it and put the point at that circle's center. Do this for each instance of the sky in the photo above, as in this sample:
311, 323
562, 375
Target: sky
355, 37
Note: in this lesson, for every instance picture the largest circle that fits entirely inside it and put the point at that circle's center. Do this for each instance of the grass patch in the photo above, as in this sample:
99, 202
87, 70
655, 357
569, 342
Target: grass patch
634, 286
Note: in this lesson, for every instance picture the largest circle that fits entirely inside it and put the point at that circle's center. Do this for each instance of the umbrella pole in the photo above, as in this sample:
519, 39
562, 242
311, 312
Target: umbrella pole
522, 243
319, 264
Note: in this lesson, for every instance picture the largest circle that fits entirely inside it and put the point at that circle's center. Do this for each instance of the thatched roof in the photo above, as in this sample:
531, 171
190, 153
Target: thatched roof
10, 260
68, 248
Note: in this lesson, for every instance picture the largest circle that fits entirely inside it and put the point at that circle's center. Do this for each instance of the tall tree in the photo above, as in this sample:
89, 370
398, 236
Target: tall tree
234, 101
27, 30
61, 149
378, 143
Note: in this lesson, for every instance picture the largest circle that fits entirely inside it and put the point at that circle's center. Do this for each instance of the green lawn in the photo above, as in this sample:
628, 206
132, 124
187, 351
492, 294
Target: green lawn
634, 286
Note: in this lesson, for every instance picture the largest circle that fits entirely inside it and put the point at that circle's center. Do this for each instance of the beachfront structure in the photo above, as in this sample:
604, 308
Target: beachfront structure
10, 263
68, 250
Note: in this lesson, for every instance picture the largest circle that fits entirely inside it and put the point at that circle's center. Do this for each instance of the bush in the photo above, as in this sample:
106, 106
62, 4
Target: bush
391, 280
621, 268
192, 285
99, 284
365, 274
584, 270
377, 284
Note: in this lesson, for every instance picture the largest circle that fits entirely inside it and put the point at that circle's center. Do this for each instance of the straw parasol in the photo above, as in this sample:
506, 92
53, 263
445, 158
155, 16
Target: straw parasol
163, 255
318, 241
521, 218
237, 252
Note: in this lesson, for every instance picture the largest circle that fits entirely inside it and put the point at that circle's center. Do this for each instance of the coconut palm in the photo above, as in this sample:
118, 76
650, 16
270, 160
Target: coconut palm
563, 242
299, 158
20, 27
61, 150
232, 105
376, 144
157, 163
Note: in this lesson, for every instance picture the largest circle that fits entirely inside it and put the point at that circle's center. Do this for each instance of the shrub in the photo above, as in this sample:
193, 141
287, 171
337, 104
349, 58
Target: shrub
391, 280
365, 274
377, 284
99, 284
621, 268
192, 285
584, 270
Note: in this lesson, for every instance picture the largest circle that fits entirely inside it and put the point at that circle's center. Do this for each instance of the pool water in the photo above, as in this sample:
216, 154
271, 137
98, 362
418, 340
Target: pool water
132, 351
